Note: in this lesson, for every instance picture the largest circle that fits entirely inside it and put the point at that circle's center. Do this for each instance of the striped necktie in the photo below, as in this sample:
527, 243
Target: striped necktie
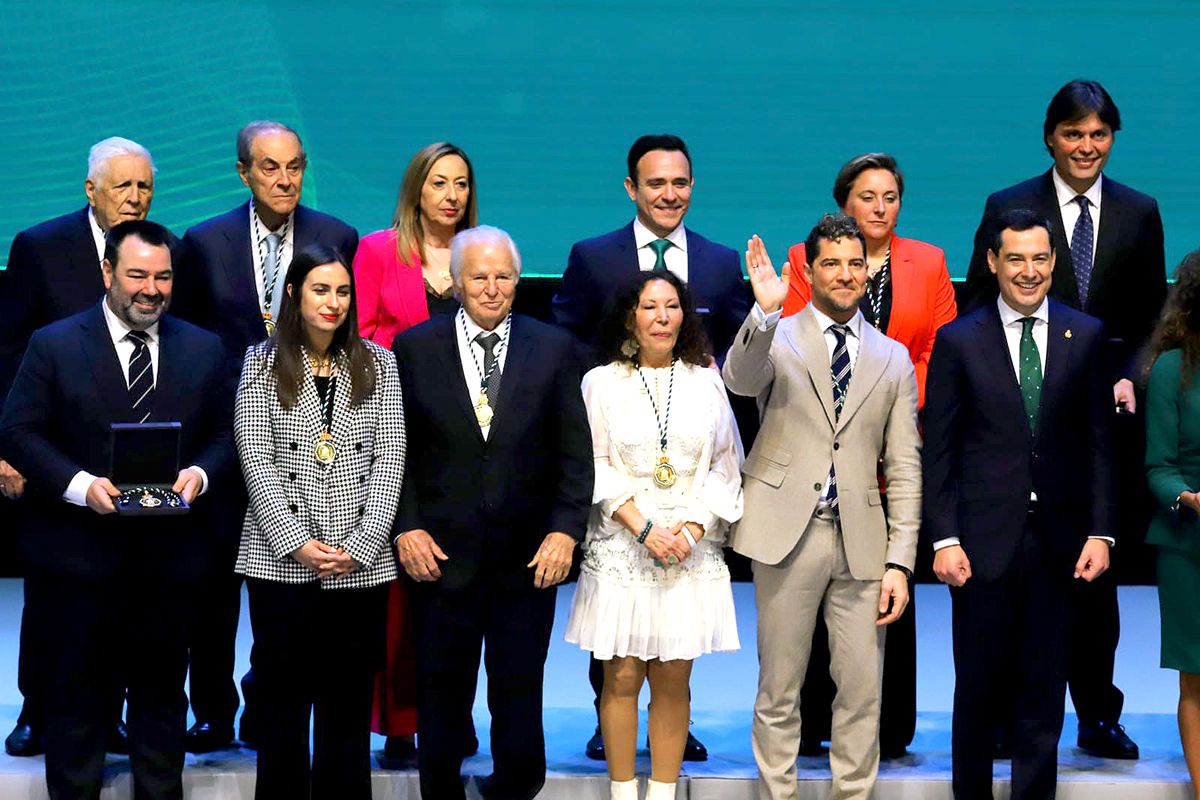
141, 376
840, 369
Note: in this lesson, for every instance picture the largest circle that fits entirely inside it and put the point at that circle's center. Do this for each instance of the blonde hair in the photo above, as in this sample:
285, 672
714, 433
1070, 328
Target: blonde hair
406, 221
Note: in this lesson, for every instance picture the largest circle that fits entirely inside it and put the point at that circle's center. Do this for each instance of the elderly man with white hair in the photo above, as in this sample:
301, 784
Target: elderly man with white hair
54, 272
497, 489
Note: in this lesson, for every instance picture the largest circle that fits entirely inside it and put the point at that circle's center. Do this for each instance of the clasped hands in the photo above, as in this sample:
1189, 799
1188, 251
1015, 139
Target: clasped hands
663, 543
420, 555
101, 493
328, 562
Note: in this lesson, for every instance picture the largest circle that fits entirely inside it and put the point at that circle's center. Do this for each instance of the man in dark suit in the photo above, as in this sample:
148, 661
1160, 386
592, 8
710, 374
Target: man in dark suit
659, 182
53, 272
1109, 239
231, 282
114, 589
497, 489
1018, 502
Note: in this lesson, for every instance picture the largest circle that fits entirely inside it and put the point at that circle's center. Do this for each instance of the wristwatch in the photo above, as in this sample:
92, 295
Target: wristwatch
907, 572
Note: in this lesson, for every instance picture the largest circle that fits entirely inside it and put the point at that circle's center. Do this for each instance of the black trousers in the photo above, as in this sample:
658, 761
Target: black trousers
132, 628
1011, 631
898, 702
317, 652
211, 651
511, 621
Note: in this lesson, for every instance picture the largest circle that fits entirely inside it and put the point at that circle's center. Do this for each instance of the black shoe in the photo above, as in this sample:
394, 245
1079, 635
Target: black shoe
248, 733
694, 750
890, 752
118, 739
1106, 740
471, 746
24, 741
810, 748
399, 752
204, 737
595, 746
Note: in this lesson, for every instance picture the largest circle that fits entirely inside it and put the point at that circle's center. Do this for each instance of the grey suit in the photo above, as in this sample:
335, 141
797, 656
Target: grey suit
804, 556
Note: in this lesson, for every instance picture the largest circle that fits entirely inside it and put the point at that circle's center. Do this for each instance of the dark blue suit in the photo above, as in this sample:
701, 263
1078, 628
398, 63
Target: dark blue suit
981, 461
215, 288
114, 590
598, 267
489, 504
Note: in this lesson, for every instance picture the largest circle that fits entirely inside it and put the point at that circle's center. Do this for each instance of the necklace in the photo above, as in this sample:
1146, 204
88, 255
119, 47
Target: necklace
320, 363
483, 404
325, 451
875, 289
664, 473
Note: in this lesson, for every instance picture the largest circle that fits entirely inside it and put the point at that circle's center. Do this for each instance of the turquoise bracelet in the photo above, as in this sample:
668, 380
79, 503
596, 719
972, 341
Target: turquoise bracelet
645, 531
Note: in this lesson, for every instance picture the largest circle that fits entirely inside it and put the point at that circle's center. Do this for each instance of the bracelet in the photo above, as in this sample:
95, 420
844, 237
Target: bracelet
645, 531
691, 540
899, 568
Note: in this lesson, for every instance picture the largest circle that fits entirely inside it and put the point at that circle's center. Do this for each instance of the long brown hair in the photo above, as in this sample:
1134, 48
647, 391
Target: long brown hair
406, 221
1179, 325
288, 339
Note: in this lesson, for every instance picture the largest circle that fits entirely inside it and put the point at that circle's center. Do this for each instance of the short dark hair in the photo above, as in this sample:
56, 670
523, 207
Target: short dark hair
1075, 101
655, 141
1018, 219
831, 228
856, 166
149, 232
251, 131
692, 345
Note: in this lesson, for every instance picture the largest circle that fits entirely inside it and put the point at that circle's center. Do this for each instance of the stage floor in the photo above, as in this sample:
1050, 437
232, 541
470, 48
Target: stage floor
723, 688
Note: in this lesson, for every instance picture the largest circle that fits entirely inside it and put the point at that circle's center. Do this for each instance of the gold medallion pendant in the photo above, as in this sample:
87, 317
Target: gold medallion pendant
664, 473
325, 451
268, 322
149, 501
483, 411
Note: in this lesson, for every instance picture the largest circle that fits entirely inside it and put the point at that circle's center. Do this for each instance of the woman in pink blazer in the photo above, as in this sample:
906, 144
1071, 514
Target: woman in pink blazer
402, 277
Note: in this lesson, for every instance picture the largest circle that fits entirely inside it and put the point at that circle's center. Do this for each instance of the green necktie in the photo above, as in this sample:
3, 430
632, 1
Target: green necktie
660, 246
1030, 372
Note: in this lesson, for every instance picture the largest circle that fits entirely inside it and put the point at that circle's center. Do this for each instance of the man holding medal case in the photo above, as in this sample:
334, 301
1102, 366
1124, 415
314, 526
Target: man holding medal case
120, 361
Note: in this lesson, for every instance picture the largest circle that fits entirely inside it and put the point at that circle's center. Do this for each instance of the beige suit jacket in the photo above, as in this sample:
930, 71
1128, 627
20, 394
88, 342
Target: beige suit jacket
787, 368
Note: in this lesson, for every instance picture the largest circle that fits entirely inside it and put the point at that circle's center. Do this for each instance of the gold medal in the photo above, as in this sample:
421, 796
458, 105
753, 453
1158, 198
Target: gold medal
664, 473
149, 501
268, 322
483, 411
325, 451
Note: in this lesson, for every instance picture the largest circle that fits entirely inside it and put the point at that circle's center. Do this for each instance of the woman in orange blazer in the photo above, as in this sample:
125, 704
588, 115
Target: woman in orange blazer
909, 294
402, 278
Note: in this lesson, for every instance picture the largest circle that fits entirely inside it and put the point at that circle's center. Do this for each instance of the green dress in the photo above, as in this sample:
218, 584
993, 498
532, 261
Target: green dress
1173, 466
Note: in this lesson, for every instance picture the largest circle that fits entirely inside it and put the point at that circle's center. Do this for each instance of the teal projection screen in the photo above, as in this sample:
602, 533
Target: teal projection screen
772, 96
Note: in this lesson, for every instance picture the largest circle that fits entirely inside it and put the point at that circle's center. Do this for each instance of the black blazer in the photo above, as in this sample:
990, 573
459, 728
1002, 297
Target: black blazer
980, 459
56, 421
493, 501
596, 269
1129, 276
52, 273
214, 280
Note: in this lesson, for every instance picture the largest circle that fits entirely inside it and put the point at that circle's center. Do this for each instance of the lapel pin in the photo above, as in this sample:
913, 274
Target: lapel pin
1067, 333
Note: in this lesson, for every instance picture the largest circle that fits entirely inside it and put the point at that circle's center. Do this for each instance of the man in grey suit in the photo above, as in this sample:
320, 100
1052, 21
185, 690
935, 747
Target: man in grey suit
839, 424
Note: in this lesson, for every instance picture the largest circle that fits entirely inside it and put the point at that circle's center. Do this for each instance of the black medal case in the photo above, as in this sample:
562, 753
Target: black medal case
145, 464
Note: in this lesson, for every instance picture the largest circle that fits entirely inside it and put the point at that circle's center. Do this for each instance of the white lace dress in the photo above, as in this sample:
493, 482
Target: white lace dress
625, 604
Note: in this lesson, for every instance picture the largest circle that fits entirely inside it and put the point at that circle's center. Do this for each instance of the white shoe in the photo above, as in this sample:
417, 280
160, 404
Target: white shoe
660, 791
623, 790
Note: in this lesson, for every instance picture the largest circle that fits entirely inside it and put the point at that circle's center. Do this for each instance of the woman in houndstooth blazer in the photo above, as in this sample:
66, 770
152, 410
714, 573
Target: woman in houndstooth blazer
320, 432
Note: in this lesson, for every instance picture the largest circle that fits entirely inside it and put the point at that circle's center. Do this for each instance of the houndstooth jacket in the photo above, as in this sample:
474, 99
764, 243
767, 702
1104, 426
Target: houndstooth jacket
293, 498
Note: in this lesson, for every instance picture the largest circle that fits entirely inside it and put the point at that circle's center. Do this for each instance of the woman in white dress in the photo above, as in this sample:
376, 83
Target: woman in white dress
654, 590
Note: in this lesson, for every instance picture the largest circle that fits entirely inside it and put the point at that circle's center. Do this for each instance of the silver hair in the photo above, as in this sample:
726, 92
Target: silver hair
251, 131
106, 149
481, 234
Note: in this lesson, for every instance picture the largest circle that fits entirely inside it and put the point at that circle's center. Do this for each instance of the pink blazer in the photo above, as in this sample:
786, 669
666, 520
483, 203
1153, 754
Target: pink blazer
390, 293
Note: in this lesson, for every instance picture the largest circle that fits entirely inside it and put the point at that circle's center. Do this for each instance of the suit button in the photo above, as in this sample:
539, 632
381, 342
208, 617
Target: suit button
360, 510
292, 477
294, 446
362, 478
836, 445
358, 446
816, 487
292, 508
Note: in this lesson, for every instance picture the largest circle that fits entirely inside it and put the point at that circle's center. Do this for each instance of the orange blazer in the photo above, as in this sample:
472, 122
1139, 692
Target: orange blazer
922, 298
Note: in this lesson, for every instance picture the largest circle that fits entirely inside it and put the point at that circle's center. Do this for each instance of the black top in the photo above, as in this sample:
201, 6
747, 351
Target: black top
444, 303
879, 296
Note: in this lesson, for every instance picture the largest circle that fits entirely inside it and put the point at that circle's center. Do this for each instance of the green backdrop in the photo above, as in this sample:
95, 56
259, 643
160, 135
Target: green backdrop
772, 97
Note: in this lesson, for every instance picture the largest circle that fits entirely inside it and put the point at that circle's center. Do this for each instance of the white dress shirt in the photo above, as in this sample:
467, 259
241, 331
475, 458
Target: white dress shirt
471, 353
118, 333
258, 251
674, 256
1070, 209
97, 236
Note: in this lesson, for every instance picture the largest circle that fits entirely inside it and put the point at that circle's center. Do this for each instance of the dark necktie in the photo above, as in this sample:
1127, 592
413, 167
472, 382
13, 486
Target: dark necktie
840, 369
1082, 241
1030, 373
660, 246
141, 377
491, 370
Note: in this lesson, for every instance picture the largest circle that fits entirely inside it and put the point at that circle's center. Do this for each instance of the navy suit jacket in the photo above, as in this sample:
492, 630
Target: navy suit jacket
56, 422
981, 460
52, 273
598, 267
215, 283
490, 503
1129, 277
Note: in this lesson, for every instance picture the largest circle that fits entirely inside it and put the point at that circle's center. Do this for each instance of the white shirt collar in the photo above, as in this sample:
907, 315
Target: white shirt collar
825, 321
264, 231
118, 330
473, 329
1010, 316
643, 236
97, 233
1066, 195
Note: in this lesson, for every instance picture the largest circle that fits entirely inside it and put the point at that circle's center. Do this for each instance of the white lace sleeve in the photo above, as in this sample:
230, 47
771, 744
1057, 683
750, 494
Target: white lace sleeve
717, 495
613, 485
